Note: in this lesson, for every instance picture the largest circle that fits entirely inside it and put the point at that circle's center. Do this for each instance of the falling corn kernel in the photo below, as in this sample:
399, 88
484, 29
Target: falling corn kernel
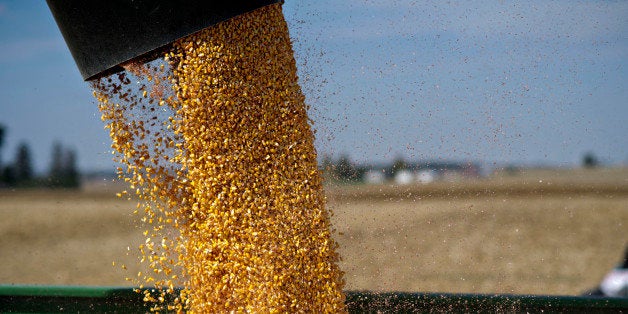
223, 164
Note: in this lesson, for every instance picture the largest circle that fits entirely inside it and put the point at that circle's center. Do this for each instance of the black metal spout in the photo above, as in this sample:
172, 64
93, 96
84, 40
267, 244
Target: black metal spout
103, 34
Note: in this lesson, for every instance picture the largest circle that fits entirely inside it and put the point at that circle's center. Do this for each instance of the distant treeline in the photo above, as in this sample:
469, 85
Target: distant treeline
344, 170
19, 173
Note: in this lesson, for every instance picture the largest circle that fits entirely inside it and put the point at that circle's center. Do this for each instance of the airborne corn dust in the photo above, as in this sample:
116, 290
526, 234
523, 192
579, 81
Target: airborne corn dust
216, 143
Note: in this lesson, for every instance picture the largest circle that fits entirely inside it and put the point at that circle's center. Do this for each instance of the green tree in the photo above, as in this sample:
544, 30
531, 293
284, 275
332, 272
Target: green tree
23, 168
3, 171
2, 132
71, 174
327, 167
8, 176
398, 165
56, 165
63, 171
345, 169
589, 160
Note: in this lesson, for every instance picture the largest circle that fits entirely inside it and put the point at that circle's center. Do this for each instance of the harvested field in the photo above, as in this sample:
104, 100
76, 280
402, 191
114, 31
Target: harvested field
542, 232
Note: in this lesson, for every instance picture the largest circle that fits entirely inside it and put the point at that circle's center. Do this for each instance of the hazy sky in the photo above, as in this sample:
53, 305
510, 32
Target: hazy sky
497, 81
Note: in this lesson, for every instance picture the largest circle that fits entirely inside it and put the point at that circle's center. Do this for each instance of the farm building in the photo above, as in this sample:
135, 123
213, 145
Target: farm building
421, 172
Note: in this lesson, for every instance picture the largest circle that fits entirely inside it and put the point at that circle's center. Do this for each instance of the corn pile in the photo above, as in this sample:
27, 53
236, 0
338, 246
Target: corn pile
215, 142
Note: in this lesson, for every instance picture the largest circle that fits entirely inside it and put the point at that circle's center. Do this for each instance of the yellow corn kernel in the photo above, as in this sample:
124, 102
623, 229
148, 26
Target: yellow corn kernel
220, 153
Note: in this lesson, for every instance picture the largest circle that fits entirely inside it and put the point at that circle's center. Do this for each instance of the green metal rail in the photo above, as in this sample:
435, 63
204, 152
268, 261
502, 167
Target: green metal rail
75, 299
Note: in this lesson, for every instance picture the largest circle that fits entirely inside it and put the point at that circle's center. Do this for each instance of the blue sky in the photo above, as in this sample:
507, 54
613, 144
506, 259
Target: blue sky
493, 81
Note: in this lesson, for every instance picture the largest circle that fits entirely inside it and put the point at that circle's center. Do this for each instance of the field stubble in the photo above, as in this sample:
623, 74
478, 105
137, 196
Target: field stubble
538, 233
